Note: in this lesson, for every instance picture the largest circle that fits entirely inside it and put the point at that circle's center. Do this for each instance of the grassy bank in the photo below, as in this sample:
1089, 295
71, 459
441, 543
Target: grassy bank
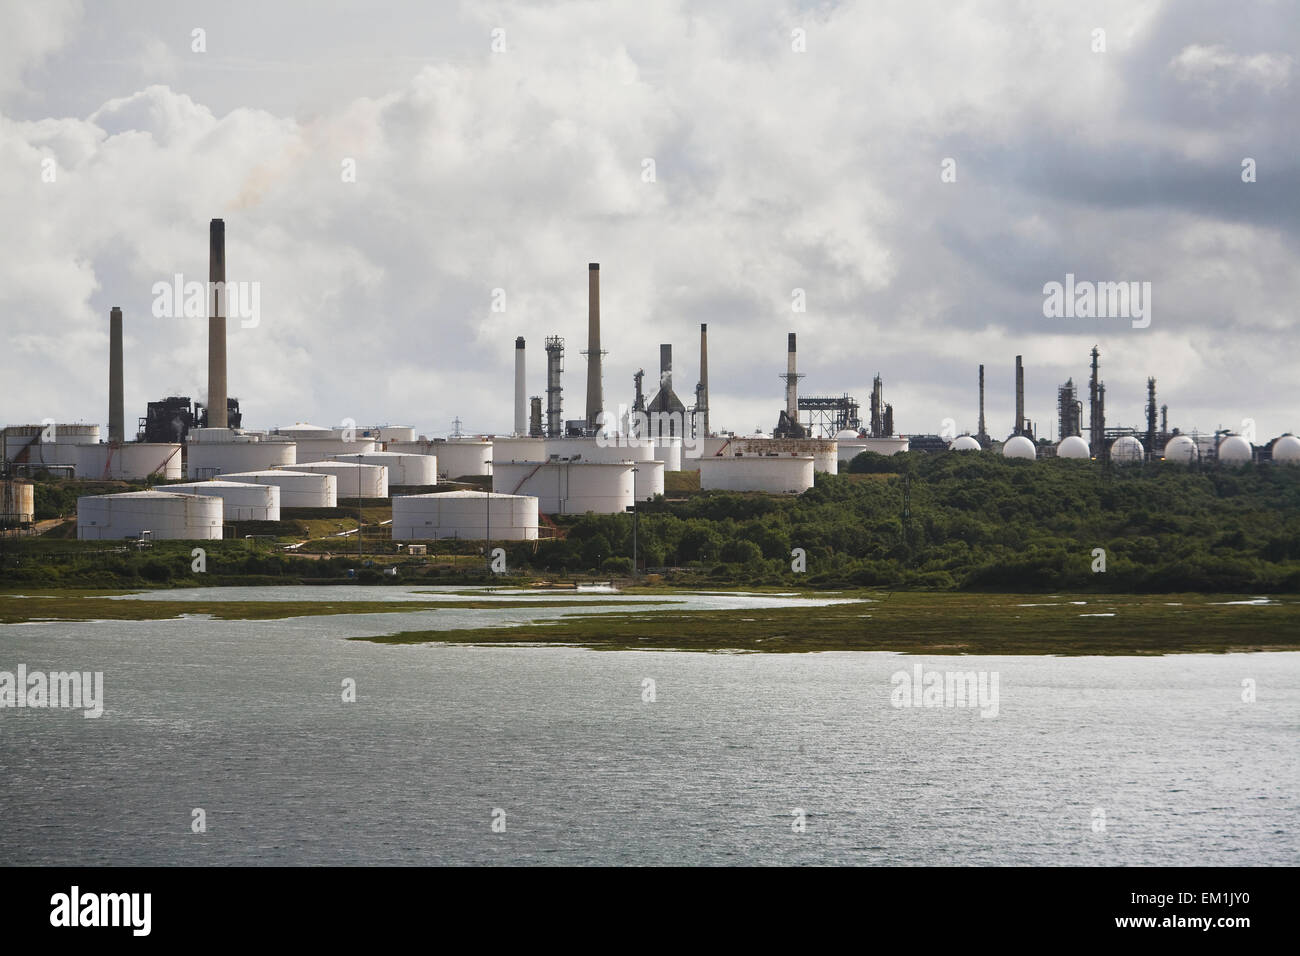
915, 623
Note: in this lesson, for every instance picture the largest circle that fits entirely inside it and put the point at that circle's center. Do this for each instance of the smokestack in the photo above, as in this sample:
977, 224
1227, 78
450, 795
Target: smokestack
116, 415
535, 417
666, 368
702, 402
217, 324
521, 396
791, 381
595, 400
983, 435
1095, 434
1151, 419
1020, 398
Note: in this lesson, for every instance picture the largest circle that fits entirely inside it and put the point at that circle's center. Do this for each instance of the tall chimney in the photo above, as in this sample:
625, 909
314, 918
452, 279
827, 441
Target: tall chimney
116, 415
521, 396
217, 324
595, 400
1020, 398
791, 381
702, 403
1096, 434
666, 368
983, 435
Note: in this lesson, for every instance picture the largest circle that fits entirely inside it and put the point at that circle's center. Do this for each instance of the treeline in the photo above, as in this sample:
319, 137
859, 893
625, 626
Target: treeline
975, 521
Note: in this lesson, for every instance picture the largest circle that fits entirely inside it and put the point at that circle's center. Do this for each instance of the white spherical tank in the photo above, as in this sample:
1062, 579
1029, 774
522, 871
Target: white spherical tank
776, 474
964, 443
468, 515
1072, 446
243, 500
1127, 450
1019, 447
130, 461
164, 514
351, 480
206, 459
568, 487
1235, 450
1286, 450
403, 469
1181, 450
298, 489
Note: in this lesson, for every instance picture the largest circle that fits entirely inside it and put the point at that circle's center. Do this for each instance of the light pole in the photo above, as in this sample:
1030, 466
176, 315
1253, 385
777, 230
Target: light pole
634, 522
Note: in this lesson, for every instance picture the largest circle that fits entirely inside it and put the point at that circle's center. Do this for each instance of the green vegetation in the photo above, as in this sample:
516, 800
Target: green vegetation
915, 623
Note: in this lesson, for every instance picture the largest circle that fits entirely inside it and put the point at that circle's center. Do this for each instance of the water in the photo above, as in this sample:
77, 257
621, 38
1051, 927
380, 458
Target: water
245, 720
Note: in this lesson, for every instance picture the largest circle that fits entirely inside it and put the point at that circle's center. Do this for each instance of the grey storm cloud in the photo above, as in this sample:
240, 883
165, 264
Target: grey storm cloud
775, 170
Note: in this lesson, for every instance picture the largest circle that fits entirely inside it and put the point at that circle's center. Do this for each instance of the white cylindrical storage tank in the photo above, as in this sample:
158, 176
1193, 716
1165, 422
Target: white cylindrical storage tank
456, 459
775, 474
669, 451
243, 500
1181, 450
1072, 446
1019, 447
298, 489
518, 449
1235, 450
1126, 450
387, 433
130, 461
163, 514
402, 469
209, 459
1286, 450
593, 449
352, 480
824, 452
468, 515
568, 487
964, 443
319, 449
649, 479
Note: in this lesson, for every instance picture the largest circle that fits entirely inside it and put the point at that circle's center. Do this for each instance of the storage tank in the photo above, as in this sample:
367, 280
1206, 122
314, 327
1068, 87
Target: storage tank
1126, 450
208, 459
403, 469
352, 480
383, 433
1181, 450
468, 515
46, 446
669, 451
320, 449
568, 487
1072, 446
1019, 447
131, 461
776, 474
298, 489
243, 500
964, 443
1286, 450
17, 503
164, 514
457, 458
1235, 450
648, 479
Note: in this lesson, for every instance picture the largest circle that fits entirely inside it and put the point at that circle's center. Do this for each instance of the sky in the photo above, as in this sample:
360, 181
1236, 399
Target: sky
410, 186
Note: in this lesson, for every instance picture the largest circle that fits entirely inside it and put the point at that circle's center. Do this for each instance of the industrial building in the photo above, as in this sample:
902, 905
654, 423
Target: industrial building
242, 500
298, 489
156, 514
467, 515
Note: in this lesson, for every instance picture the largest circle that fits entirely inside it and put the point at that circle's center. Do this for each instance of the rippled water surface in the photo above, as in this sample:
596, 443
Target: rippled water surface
245, 720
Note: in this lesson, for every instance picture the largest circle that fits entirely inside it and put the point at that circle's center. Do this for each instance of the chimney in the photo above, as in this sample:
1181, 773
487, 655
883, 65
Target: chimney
1020, 398
116, 415
217, 324
702, 402
666, 368
982, 435
595, 400
521, 396
791, 381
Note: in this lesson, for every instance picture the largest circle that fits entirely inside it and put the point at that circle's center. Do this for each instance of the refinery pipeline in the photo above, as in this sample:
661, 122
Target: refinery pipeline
604, 459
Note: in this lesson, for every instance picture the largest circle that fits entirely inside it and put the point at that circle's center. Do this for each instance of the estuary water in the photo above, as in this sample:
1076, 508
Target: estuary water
627, 757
